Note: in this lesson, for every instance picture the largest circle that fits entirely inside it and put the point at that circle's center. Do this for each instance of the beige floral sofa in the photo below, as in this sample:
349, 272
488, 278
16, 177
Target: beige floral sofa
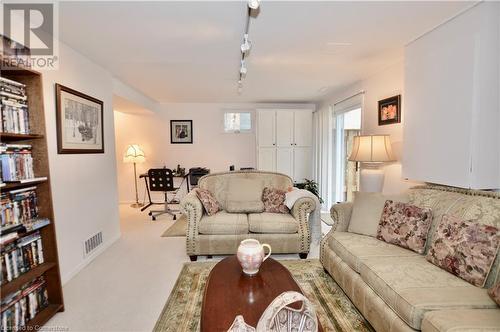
220, 234
399, 290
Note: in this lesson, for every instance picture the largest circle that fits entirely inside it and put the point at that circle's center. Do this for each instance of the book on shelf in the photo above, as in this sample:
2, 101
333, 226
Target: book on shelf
20, 307
17, 162
20, 256
14, 113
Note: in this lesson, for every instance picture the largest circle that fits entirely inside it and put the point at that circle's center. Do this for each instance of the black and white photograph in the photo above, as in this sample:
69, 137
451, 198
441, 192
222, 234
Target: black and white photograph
79, 122
181, 131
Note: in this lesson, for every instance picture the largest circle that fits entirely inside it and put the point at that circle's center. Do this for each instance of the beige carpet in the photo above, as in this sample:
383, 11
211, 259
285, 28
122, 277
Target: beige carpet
177, 229
335, 310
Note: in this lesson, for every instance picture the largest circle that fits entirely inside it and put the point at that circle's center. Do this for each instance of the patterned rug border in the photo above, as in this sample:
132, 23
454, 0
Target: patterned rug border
332, 305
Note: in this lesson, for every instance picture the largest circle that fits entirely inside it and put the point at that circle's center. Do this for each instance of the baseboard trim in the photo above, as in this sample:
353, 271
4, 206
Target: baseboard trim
68, 276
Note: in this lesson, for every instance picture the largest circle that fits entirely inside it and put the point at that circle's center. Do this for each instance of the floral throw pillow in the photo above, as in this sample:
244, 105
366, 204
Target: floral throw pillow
494, 293
404, 225
208, 201
465, 248
274, 200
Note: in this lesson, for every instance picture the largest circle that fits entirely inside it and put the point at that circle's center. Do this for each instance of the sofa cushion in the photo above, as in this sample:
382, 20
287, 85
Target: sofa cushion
466, 249
224, 223
274, 223
354, 248
405, 225
479, 206
465, 320
412, 286
244, 196
367, 209
207, 199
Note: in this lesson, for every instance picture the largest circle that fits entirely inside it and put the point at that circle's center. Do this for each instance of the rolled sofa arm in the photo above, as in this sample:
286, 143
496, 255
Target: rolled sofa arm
300, 211
192, 208
341, 215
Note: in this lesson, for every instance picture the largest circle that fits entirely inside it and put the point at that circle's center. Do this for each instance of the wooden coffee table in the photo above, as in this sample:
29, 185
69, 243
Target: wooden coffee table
229, 292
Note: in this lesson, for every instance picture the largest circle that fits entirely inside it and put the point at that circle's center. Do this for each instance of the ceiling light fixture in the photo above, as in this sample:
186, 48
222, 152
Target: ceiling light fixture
253, 4
247, 44
243, 69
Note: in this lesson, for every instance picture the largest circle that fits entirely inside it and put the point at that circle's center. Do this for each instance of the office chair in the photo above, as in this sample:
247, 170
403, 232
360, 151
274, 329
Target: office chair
162, 179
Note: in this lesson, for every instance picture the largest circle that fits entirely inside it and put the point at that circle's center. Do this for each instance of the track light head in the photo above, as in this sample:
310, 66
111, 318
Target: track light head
253, 4
243, 69
247, 44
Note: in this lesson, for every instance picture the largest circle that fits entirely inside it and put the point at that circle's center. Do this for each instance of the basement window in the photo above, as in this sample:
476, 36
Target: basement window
237, 122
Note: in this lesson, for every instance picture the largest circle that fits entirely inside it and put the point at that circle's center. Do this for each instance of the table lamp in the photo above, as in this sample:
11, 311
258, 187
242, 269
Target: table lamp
134, 154
372, 151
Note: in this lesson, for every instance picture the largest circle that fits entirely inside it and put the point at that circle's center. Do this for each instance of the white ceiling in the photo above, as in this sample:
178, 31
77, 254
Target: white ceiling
189, 51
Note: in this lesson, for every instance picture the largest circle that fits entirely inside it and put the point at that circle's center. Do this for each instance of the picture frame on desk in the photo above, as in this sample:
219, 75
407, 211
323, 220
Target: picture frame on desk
181, 131
80, 122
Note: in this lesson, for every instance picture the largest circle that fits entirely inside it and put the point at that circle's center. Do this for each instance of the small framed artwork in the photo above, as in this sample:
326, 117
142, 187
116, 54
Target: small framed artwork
181, 131
79, 118
389, 110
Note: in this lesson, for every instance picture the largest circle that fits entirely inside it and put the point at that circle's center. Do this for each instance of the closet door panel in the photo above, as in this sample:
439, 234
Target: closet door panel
284, 128
284, 161
302, 163
303, 128
266, 129
267, 159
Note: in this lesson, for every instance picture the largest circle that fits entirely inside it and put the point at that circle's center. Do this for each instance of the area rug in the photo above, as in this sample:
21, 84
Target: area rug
335, 310
177, 229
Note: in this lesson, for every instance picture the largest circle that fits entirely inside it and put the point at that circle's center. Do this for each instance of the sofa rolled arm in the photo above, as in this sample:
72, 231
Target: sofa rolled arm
341, 215
300, 211
193, 209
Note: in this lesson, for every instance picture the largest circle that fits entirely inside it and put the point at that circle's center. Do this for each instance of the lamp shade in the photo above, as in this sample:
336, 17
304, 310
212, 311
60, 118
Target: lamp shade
371, 149
134, 154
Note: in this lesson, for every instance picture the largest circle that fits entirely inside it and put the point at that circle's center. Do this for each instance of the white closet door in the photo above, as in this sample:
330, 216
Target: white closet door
284, 128
267, 159
266, 129
303, 128
284, 161
302, 163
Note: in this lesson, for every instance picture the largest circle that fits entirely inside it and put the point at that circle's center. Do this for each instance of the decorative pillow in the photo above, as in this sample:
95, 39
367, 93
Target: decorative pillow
274, 200
208, 200
367, 209
494, 293
465, 248
405, 225
244, 196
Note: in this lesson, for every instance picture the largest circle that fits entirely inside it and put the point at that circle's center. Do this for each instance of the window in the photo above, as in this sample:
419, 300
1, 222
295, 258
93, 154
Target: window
237, 122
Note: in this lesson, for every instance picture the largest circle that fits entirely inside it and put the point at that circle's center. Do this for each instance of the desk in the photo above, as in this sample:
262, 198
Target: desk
184, 178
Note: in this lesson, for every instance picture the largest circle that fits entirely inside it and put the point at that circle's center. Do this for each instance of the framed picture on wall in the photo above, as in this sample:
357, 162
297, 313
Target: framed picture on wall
181, 131
389, 110
79, 118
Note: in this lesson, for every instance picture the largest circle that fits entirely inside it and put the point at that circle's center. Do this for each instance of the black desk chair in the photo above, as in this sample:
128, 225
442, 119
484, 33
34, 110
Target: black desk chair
162, 179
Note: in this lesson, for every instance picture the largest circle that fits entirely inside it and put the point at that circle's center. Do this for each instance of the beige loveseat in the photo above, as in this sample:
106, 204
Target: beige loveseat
399, 290
220, 234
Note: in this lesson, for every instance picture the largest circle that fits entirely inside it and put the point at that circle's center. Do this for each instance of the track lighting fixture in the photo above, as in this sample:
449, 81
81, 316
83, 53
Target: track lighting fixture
243, 69
253, 4
247, 44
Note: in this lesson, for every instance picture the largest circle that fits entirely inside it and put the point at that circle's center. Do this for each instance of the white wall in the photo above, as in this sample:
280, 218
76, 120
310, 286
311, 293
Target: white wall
84, 186
211, 148
387, 83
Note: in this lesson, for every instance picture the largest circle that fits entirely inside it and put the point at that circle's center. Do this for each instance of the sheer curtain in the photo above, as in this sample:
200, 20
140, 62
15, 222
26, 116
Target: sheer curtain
324, 145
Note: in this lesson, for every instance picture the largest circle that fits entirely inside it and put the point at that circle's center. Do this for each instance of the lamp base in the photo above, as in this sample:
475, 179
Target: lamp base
371, 180
136, 205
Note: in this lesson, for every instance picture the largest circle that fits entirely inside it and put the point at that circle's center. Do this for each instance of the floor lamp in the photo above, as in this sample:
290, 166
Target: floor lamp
372, 151
134, 154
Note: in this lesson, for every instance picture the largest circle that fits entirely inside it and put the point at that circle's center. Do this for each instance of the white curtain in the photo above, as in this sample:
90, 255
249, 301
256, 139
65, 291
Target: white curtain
324, 145
322, 154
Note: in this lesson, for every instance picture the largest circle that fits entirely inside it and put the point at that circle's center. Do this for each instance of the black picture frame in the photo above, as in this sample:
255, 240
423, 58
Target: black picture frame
81, 106
386, 113
181, 131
